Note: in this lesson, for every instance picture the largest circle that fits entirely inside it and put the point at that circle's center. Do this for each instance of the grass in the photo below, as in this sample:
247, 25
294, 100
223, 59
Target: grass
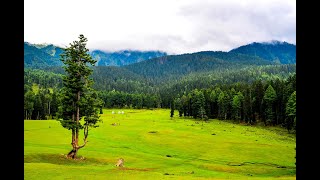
154, 146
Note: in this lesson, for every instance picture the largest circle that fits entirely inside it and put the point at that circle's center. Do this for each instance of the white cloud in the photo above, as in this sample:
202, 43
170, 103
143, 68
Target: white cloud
174, 26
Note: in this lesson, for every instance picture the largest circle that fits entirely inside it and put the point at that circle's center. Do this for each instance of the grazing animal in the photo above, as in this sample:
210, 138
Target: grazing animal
120, 162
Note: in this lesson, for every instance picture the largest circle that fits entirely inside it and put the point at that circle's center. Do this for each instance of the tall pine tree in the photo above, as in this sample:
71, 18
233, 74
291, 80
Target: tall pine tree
78, 99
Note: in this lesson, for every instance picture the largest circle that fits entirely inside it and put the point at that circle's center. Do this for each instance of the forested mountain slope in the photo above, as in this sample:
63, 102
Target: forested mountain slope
40, 57
125, 57
43, 55
275, 51
175, 66
172, 75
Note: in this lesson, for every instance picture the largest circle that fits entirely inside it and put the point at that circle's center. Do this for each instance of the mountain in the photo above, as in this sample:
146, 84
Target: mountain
46, 55
172, 67
124, 57
159, 67
52, 50
175, 66
37, 56
274, 51
167, 77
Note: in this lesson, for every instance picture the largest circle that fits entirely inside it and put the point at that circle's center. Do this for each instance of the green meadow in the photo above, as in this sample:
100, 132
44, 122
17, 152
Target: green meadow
155, 146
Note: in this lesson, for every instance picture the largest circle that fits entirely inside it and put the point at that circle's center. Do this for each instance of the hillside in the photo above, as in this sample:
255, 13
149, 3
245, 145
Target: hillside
40, 57
125, 57
171, 73
176, 66
43, 55
170, 68
275, 51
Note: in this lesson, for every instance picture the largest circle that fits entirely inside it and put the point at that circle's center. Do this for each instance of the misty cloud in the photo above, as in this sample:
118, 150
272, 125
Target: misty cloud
233, 24
173, 26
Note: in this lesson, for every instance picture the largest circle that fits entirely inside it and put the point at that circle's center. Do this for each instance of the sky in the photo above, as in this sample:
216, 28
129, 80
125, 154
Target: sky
172, 26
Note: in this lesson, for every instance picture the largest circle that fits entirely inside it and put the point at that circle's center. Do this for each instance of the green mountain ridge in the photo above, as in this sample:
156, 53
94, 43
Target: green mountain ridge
35, 57
47, 55
274, 51
125, 57
180, 65
170, 74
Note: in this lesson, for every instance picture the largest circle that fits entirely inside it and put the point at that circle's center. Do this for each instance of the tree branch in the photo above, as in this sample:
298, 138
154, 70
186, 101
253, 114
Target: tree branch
85, 142
85, 132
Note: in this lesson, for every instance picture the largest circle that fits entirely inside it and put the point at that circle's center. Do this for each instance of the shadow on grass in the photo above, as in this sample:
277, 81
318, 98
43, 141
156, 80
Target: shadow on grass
61, 159
261, 164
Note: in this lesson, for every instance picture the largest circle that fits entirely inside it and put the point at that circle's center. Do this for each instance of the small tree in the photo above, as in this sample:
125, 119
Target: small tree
184, 104
48, 99
213, 97
179, 106
291, 111
78, 99
28, 104
171, 109
198, 103
237, 105
269, 98
223, 105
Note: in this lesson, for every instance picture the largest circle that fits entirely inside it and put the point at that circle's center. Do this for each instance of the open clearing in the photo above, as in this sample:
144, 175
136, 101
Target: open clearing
154, 146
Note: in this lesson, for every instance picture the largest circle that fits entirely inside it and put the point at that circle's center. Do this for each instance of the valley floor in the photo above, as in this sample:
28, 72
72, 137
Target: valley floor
154, 146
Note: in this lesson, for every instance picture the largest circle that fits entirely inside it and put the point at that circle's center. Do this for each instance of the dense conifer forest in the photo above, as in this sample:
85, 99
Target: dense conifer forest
202, 85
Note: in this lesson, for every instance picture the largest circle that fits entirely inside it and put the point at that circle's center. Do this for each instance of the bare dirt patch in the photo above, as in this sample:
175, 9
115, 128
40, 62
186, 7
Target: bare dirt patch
134, 169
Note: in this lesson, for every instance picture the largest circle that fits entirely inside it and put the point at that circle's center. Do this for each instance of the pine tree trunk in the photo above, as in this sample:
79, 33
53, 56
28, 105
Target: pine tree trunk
78, 119
75, 133
72, 154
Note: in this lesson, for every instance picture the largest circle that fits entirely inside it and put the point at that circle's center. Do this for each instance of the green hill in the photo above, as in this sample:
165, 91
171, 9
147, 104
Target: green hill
275, 51
43, 55
121, 58
175, 66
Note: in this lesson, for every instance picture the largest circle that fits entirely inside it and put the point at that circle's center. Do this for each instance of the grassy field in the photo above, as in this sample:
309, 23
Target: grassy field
157, 147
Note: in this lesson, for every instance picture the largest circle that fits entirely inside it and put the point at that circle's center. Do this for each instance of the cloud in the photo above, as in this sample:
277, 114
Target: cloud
174, 26
232, 24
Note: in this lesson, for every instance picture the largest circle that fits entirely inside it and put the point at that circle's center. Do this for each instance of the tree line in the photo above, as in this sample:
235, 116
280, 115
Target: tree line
249, 74
118, 99
271, 102
42, 104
